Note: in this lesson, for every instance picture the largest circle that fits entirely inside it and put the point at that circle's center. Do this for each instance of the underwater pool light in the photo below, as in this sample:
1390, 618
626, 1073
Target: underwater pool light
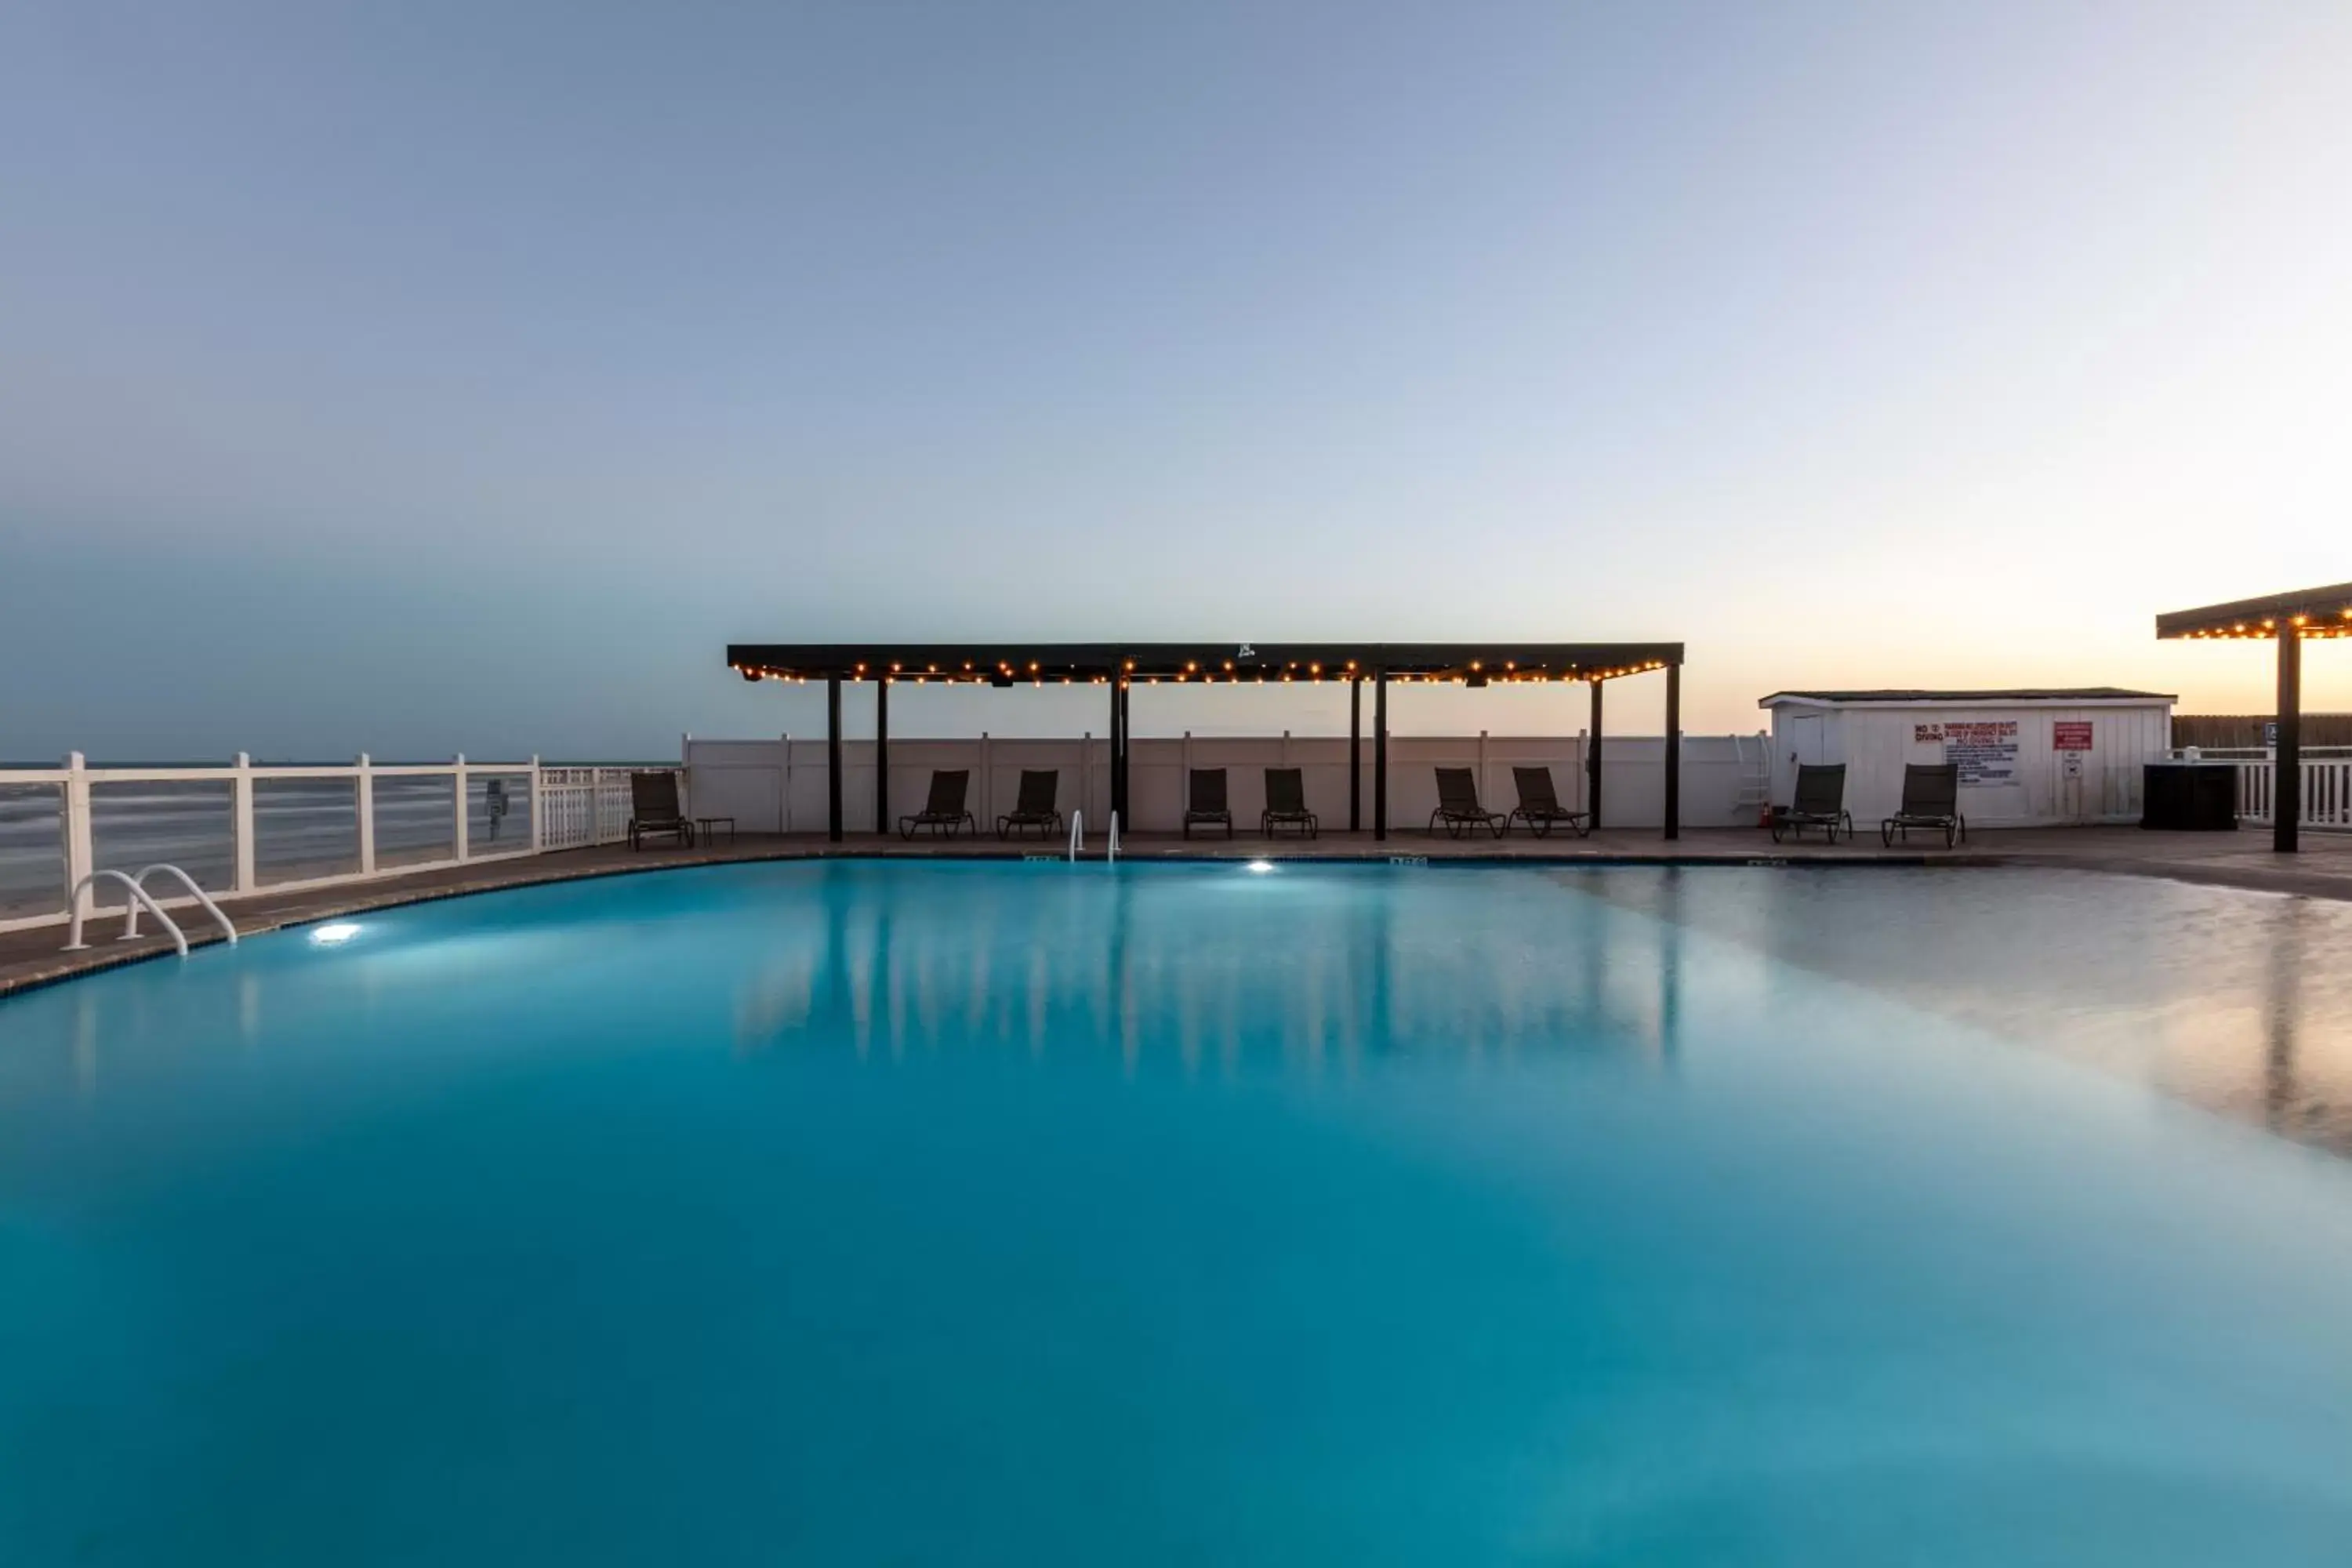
1261, 866
334, 935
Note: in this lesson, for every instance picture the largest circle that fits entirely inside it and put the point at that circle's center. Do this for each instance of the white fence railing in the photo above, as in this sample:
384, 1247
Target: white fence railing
581, 806
2325, 772
245, 829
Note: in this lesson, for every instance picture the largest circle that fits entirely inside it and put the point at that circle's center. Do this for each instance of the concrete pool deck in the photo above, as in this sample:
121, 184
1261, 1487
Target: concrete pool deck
2244, 860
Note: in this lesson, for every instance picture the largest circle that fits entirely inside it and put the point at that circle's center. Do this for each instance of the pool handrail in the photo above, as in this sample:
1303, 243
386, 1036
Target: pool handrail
130, 925
137, 896
1077, 831
1113, 857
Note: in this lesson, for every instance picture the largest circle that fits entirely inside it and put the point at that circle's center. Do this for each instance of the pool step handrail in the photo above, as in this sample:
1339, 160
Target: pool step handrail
1077, 832
130, 925
1114, 839
137, 896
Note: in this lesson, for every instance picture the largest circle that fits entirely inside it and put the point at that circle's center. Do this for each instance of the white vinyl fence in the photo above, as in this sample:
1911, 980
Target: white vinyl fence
2326, 773
243, 829
780, 786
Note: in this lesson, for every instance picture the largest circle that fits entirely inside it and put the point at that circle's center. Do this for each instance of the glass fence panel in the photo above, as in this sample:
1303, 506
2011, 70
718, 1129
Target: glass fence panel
304, 829
191, 824
497, 812
32, 850
415, 818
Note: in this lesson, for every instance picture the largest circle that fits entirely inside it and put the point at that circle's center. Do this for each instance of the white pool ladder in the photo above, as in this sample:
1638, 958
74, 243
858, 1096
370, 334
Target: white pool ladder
1114, 839
131, 923
135, 896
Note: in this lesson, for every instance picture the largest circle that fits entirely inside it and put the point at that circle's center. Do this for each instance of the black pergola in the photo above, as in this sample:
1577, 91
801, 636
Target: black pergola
1121, 667
2289, 620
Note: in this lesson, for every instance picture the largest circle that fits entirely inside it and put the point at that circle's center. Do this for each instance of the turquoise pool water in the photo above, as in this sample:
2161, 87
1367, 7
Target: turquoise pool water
871, 1213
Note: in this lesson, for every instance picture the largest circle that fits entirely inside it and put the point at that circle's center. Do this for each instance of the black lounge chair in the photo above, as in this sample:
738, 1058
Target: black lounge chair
1207, 802
1034, 808
944, 812
1819, 802
1285, 804
1458, 808
1931, 800
1539, 806
654, 812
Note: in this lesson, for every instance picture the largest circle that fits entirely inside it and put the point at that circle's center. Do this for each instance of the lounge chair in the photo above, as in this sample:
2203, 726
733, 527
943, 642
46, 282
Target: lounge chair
1206, 805
1458, 808
1539, 806
1819, 802
944, 812
1285, 804
654, 810
1931, 800
1034, 808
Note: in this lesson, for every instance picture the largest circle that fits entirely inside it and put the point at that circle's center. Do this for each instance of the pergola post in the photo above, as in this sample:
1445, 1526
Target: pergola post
833, 757
1380, 752
1592, 761
1118, 749
2286, 758
882, 755
1674, 750
1355, 753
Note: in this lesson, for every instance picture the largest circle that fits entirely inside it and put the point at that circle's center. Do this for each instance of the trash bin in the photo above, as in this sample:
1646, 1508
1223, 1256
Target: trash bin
2191, 797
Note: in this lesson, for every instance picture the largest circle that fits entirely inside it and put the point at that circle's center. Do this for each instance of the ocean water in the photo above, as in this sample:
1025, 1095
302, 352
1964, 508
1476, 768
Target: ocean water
887, 1213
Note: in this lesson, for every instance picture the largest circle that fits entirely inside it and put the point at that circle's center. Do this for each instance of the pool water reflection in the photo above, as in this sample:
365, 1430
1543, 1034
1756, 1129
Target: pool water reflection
2238, 1001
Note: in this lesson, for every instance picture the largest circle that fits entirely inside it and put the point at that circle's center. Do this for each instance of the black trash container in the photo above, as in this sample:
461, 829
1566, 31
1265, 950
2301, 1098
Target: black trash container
2191, 797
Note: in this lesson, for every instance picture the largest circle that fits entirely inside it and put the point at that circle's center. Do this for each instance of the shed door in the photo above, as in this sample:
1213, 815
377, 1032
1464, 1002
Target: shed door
1808, 737
1804, 739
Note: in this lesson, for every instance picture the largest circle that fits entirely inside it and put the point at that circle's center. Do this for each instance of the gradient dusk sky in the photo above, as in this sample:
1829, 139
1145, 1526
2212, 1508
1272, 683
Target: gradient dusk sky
431, 377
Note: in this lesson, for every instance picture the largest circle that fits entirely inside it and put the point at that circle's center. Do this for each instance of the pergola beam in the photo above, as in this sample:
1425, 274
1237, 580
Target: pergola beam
1013, 664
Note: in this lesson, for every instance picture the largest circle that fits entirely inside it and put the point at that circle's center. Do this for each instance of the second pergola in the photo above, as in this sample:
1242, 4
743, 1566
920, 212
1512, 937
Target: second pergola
2288, 620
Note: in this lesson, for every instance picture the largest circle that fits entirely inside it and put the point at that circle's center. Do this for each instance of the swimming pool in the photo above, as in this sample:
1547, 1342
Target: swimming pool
870, 1211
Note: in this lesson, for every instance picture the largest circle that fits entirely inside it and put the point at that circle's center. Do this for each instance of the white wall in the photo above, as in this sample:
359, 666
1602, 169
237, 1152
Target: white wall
778, 785
1876, 742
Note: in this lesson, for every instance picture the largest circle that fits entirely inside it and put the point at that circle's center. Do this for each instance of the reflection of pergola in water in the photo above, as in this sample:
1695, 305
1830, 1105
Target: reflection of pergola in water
1121, 667
896, 969
2289, 620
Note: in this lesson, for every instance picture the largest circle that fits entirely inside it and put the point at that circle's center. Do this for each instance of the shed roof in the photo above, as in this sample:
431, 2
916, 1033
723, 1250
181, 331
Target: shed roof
1911, 698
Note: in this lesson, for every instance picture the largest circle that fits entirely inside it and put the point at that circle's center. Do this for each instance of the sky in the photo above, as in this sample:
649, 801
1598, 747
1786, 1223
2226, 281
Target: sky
464, 376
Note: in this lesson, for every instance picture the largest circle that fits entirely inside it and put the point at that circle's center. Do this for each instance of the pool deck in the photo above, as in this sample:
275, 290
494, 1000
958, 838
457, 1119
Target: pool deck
2244, 859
